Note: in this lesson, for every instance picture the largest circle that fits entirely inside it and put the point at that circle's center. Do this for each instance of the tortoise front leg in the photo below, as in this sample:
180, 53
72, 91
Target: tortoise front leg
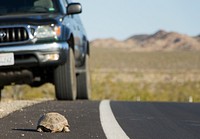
39, 129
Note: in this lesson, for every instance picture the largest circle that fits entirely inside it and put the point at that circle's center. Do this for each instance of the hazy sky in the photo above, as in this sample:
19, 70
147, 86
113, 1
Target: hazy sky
122, 18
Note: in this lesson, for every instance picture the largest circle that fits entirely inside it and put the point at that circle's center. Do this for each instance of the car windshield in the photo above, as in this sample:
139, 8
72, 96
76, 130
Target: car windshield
27, 6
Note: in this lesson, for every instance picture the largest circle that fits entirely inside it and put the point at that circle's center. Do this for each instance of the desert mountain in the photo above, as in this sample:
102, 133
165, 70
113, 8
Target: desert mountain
159, 41
198, 38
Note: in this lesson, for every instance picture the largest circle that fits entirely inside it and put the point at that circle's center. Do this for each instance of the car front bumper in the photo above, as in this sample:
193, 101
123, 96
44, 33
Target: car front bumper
29, 55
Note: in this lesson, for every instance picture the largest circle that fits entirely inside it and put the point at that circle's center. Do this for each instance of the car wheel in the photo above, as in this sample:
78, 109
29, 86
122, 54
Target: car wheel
65, 79
83, 82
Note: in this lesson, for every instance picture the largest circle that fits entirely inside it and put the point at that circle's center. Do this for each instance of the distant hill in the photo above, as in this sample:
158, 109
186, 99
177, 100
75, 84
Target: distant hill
142, 37
198, 38
159, 41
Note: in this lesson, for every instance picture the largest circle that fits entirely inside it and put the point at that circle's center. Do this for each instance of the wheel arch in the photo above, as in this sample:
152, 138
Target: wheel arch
88, 48
71, 42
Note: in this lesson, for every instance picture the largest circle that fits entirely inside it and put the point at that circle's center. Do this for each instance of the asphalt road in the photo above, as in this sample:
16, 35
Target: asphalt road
93, 119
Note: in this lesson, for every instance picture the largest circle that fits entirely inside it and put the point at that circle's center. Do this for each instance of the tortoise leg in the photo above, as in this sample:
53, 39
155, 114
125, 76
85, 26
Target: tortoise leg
53, 131
39, 129
65, 129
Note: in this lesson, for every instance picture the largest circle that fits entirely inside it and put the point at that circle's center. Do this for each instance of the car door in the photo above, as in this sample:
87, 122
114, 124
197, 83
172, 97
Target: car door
78, 36
82, 40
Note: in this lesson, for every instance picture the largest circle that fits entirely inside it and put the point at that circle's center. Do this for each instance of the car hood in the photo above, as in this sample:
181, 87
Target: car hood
32, 19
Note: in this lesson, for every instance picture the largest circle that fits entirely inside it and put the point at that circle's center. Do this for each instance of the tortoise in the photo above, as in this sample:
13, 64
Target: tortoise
53, 122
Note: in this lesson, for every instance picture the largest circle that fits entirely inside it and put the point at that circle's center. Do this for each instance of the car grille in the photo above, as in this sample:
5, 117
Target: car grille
13, 34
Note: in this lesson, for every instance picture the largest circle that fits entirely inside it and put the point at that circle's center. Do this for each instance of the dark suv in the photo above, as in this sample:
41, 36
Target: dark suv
44, 41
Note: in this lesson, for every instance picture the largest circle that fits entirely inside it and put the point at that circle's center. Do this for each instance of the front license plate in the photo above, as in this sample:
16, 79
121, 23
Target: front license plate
7, 59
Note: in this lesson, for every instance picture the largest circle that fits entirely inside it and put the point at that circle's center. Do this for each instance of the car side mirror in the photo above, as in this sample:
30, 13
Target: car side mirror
74, 8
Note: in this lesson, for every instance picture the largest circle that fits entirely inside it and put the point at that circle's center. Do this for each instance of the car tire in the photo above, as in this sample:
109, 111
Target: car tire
65, 79
83, 81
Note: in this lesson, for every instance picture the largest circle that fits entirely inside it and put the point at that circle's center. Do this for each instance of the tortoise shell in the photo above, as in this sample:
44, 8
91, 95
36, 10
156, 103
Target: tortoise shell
53, 122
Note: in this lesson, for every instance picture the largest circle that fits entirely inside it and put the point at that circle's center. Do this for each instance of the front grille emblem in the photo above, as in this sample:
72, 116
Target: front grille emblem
13, 35
2, 34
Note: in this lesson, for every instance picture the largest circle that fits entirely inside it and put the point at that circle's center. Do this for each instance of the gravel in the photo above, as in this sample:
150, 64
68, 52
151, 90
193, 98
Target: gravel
7, 107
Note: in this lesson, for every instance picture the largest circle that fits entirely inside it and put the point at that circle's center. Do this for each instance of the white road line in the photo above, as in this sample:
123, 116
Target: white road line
110, 125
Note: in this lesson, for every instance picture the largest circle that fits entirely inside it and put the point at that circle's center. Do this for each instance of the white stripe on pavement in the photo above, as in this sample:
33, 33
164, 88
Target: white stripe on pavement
110, 125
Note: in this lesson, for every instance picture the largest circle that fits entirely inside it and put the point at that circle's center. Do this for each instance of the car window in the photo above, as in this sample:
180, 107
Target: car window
27, 6
47, 4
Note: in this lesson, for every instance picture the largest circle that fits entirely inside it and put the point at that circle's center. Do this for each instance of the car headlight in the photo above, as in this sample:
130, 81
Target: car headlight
45, 32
